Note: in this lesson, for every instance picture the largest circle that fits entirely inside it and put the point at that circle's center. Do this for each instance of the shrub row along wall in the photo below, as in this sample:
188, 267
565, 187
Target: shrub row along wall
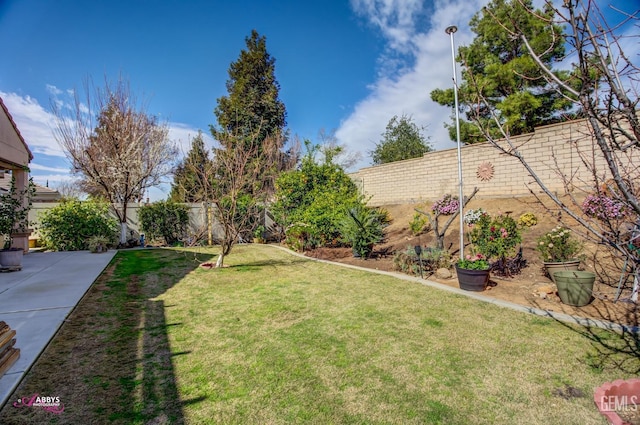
197, 219
551, 151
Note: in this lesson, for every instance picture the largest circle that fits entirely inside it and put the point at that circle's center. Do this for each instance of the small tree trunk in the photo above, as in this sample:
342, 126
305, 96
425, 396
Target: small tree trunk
220, 261
227, 244
123, 233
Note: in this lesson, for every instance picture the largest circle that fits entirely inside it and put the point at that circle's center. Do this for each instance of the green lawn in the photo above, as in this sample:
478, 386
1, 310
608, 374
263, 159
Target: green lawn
274, 338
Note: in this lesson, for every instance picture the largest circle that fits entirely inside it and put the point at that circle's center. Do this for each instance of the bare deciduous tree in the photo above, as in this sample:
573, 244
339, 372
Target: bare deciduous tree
604, 88
116, 148
70, 189
336, 153
236, 183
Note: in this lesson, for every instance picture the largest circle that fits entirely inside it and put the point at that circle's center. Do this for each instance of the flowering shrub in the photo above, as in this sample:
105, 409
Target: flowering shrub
473, 262
558, 245
602, 207
472, 216
447, 205
527, 220
495, 237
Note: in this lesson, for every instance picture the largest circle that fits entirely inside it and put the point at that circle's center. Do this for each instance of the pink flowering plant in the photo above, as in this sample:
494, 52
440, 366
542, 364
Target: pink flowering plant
558, 246
602, 207
447, 205
495, 237
473, 262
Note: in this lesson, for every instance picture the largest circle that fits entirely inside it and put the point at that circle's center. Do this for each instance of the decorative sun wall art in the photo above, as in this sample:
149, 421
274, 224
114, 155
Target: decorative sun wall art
485, 171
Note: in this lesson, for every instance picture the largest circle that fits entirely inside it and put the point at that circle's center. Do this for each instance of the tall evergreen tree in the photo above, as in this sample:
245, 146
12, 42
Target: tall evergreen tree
498, 69
252, 110
402, 139
187, 185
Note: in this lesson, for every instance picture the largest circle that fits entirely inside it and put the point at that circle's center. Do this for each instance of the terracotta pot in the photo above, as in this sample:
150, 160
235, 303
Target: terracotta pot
472, 280
561, 266
612, 396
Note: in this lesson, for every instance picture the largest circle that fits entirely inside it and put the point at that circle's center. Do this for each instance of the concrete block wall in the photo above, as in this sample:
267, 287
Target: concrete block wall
552, 151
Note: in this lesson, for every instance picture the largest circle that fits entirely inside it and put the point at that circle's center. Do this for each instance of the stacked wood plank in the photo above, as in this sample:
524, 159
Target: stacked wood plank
10, 268
8, 353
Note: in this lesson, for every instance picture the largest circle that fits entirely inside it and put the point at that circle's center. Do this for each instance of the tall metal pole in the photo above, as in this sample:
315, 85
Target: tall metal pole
451, 30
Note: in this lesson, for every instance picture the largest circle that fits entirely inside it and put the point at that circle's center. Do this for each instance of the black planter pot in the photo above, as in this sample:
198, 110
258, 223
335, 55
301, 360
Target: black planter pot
472, 280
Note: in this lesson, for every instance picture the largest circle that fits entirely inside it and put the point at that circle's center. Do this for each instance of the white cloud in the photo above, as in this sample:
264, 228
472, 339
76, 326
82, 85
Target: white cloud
53, 90
407, 90
396, 19
37, 167
53, 180
34, 122
182, 134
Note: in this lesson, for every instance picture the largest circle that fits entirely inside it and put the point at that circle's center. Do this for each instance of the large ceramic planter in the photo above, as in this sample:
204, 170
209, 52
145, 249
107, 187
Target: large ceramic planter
561, 266
617, 395
575, 287
472, 280
11, 259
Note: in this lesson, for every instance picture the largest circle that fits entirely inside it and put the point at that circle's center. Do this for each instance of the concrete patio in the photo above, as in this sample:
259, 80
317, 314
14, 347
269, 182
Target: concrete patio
36, 301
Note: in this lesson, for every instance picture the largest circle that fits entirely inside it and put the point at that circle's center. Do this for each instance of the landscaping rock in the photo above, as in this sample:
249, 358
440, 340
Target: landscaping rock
443, 273
546, 289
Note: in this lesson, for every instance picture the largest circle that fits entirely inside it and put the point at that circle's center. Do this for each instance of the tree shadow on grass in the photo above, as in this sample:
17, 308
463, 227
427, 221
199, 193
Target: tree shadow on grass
256, 265
111, 361
615, 346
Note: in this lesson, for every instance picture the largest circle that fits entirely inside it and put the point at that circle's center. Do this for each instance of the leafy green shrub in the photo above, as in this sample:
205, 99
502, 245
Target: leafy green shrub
164, 219
432, 259
69, 225
13, 213
406, 261
99, 243
498, 237
297, 237
316, 195
362, 227
495, 237
418, 224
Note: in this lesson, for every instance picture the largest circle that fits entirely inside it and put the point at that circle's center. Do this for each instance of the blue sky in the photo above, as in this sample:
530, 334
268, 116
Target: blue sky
347, 66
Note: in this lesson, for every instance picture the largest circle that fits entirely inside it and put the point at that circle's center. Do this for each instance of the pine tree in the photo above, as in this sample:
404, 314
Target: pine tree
187, 185
252, 110
498, 68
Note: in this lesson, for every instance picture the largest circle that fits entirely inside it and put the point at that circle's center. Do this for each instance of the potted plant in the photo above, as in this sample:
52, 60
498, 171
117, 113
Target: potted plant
473, 272
495, 237
559, 251
14, 211
492, 237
